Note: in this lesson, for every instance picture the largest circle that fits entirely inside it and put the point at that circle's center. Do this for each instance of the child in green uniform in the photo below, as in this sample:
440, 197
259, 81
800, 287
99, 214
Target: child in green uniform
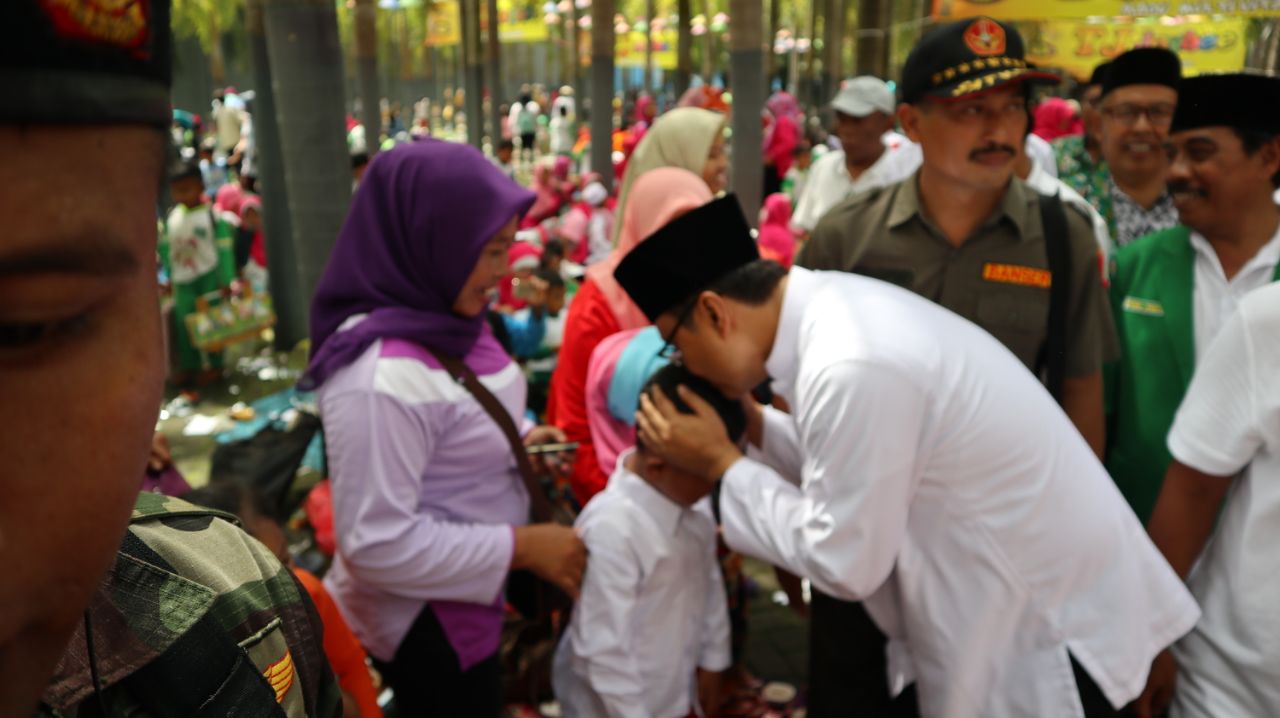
197, 253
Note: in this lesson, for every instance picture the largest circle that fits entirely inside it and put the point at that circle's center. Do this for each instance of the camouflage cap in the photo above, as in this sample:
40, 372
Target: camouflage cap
85, 62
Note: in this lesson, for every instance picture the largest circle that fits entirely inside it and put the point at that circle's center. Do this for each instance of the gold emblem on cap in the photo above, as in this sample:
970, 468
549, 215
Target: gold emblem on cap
985, 37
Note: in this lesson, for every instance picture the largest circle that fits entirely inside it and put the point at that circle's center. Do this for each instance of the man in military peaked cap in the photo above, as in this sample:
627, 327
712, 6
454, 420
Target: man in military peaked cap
174, 611
966, 233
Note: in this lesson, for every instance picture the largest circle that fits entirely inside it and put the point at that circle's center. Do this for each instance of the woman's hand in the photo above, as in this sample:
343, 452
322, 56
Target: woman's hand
554, 553
555, 464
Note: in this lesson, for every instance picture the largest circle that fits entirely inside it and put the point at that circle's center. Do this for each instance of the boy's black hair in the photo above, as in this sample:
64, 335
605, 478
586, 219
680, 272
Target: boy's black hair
183, 169
507, 145
359, 159
552, 248
673, 375
230, 497
551, 277
564, 111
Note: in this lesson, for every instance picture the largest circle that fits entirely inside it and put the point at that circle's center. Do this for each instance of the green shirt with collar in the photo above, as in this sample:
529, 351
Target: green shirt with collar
998, 278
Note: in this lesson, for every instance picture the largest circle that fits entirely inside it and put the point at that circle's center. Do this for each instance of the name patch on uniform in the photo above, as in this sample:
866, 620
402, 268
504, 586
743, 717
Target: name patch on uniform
1015, 274
1147, 307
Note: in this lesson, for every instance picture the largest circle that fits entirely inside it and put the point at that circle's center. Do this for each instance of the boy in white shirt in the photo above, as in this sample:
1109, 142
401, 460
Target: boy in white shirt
650, 633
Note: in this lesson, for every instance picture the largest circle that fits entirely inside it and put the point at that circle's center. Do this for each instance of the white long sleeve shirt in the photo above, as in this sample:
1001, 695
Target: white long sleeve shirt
652, 609
939, 482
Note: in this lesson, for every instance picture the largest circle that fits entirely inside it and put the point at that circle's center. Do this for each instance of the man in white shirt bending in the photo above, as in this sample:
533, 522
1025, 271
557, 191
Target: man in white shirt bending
923, 470
1225, 443
649, 635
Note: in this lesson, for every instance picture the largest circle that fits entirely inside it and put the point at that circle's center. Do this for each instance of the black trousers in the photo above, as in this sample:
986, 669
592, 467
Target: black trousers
429, 683
848, 673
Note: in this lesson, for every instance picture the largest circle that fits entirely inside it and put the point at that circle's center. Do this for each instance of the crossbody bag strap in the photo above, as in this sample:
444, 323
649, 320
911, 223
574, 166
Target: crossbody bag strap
539, 506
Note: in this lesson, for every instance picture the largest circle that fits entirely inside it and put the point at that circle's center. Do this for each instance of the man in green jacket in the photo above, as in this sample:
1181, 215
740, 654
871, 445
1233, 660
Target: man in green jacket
1173, 290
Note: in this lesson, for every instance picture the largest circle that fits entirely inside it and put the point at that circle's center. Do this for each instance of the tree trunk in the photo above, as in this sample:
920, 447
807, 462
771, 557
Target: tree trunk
833, 38
810, 69
648, 46
217, 57
305, 60
746, 48
602, 50
473, 75
684, 47
494, 56
576, 17
709, 48
873, 38
771, 39
366, 31
289, 302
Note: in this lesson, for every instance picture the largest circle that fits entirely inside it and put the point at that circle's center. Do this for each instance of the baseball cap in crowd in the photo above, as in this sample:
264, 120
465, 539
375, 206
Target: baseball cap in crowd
862, 96
966, 58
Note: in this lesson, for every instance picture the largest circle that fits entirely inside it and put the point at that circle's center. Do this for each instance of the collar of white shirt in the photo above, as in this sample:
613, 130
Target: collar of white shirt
661, 509
784, 359
1266, 257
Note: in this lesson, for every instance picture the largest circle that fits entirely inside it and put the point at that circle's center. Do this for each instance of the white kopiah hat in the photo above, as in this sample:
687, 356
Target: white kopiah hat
862, 96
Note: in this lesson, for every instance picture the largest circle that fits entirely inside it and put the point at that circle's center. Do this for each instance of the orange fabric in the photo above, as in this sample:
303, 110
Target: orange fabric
590, 322
346, 655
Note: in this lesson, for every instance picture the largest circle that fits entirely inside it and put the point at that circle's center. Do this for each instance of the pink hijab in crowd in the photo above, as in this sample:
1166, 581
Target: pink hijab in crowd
776, 240
659, 196
1056, 117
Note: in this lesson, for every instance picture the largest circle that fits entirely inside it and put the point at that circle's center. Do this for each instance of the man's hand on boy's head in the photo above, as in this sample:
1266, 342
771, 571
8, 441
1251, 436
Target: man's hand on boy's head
697, 442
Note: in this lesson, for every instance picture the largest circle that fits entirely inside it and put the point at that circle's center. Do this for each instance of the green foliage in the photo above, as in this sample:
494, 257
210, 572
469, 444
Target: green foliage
205, 19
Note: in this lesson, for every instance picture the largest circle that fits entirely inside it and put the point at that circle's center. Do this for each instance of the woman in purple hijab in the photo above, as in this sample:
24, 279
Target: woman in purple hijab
429, 509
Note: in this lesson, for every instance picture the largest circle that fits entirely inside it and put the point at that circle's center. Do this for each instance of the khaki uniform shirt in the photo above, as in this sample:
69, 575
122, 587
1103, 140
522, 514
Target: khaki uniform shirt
998, 278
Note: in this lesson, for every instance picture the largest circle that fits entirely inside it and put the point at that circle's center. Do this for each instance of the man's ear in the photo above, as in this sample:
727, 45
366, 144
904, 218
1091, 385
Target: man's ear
909, 117
717, 311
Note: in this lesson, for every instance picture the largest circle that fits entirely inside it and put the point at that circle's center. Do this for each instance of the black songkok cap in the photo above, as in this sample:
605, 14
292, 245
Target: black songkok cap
686, 256
1099, 76
1243, 101
966, 58
1143, 66
85, 62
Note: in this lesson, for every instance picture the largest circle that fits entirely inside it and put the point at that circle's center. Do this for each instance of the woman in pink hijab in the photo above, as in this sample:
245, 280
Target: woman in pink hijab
1056, 117
776, 239
602, 308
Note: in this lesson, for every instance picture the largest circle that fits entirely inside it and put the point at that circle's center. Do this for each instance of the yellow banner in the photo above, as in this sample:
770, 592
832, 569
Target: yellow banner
1078, 47
444, 28
1062, 9
630, 50
442, 24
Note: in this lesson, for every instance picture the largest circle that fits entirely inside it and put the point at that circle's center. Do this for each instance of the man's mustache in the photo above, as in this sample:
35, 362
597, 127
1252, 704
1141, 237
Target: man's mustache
991, 149
1184, 187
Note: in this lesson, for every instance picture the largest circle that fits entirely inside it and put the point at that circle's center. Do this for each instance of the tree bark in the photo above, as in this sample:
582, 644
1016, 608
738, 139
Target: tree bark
473, 75
217, 57
575, 17
494, 47
366, 32
709, 48
810, 62
602, 51
305, 58
746, 49
648, 46
684, 47
833, 38
289, 302
873, 38
771, 38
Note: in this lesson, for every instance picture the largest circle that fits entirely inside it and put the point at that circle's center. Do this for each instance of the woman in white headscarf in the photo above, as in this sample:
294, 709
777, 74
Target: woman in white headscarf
688, 138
